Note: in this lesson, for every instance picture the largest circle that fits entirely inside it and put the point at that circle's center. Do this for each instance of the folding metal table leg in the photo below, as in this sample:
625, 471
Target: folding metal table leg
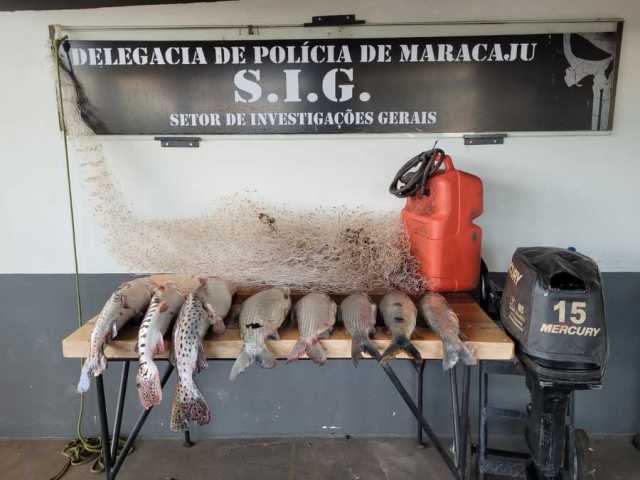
416, 413
464, 420
187, 439
119, 409
455, 414
420, 371
104, 427
136, 430
483, 430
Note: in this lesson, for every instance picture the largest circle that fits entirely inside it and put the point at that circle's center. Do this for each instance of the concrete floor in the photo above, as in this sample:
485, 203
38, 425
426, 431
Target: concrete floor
280, 459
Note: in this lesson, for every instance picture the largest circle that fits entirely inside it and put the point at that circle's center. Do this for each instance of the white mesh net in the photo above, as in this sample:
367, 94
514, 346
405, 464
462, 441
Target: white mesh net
244, 239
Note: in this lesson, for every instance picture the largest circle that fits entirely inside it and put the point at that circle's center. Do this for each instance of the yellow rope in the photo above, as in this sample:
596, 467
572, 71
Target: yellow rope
82, 449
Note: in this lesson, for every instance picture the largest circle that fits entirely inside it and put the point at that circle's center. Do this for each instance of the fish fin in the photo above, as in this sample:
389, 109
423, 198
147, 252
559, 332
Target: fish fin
201, 362
163, 307
124, 301
297, 351
359, 344
188, 406
457, 350
467, 355
266, 358
450, 355
356, 349
326, 334
149, 387
317, 353
84, 382
400, 343
242, 362
159, 345
172, 356
217, 322
94, 365
114, 331
273, 336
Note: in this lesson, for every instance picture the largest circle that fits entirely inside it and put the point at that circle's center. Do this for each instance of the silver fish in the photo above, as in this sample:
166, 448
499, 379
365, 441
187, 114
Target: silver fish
208, 305
399, 314
358, 314
444, 321
260, 317
315, 314
217, 295
129, 300
164, 306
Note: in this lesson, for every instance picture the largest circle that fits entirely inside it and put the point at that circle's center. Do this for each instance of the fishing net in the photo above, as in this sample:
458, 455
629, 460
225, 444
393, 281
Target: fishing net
241, 237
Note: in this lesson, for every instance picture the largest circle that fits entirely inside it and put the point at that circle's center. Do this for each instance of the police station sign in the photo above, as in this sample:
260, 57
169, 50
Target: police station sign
554, 82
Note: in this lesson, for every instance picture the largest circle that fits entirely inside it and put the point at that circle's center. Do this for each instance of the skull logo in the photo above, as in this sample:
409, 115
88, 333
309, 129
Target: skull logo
581, 68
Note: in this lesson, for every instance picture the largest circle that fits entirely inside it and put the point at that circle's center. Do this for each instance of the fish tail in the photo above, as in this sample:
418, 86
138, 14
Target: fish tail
450, 355
84, 382
457, 350
297, 351
317, 353
188, 406
266, 358
361, 343
398, 344
149, 387
94, 365
242, 362
466, 354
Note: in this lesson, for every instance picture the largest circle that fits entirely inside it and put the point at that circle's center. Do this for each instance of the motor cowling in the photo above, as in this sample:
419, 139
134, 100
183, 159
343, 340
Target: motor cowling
553, 307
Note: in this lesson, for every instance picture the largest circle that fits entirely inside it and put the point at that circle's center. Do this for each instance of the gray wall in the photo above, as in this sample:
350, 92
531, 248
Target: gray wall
39, 398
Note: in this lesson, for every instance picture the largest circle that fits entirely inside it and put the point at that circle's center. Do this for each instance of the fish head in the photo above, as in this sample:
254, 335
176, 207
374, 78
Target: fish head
286, 298
216, 296
330, 321
232, 287
170, 292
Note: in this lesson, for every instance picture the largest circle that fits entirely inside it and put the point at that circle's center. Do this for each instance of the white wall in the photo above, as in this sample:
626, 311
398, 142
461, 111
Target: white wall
552, 190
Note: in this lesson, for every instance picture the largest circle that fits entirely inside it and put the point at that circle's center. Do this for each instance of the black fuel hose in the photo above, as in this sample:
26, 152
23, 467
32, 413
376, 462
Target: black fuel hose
413, 175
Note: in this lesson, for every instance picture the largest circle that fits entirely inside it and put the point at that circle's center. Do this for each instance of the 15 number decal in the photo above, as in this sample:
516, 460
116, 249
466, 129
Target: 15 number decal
578, 311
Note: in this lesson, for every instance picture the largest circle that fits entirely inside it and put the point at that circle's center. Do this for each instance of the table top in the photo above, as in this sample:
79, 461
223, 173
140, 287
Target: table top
487, 340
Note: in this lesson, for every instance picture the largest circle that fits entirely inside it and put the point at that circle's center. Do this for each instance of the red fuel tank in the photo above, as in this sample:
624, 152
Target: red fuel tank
444, 239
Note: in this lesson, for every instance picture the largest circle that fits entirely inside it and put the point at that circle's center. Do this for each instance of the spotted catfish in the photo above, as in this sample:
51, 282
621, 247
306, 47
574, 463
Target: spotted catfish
260, 317
128, 301
164, 306
399, 314
358, 314
315, 314
207, 306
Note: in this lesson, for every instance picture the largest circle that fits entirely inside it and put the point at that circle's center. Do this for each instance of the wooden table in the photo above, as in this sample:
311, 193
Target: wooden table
486, 339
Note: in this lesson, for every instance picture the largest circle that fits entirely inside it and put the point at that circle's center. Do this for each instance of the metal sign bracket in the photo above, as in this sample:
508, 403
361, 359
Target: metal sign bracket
485, 139
181, 142
334, 20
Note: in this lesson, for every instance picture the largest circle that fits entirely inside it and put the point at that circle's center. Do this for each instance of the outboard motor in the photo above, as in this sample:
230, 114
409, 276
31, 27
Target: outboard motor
553, 308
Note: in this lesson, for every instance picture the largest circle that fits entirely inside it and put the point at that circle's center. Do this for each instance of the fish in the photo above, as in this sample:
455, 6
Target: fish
260, 317
128, 301
315, 314
358, 314
164, 306
444, 321
206, 306
399, 314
